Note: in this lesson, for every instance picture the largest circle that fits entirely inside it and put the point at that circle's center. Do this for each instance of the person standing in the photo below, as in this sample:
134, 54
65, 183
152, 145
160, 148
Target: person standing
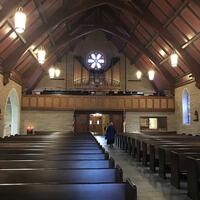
110, 134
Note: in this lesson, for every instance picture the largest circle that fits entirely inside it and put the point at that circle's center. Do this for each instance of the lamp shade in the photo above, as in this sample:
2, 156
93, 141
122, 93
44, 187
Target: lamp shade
139, 74
51, 72
41, 56
57, 72
20, 20
151, 74
174, 59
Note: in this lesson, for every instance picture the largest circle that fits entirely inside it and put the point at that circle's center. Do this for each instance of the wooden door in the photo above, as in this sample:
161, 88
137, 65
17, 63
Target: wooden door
81, 122
117, 119
96, 124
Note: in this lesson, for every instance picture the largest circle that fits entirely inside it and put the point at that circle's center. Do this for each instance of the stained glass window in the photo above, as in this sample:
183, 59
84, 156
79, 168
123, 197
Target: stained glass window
96, 60
186, 107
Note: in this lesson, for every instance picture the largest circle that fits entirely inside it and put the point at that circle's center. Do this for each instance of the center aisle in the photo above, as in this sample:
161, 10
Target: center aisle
149, 186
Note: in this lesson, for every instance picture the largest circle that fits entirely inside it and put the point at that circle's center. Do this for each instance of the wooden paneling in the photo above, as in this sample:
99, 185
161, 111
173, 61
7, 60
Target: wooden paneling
150, 103
115, 103
81, 122
117, 120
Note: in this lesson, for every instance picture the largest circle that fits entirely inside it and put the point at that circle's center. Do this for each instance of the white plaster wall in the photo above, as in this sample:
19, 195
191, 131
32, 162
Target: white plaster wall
194, 127
133, 120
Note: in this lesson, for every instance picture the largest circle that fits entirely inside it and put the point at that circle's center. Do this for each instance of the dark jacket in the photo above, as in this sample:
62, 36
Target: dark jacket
110, 134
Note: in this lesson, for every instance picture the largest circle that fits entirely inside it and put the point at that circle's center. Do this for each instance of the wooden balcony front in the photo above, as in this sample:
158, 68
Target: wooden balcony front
98, 103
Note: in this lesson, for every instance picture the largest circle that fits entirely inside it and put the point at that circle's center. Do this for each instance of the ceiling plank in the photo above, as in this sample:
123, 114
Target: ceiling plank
62, 14
9, 7
150, 19
67, 38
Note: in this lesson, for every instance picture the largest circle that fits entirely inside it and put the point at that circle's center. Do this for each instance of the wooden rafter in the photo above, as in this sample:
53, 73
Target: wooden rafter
148, 18
67, 38
58, 17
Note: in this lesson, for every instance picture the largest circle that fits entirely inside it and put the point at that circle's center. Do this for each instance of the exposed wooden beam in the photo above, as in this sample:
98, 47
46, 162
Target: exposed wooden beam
8, 8
58, 17
178, 11
196, 2
137, 44
66, 38
23, 40
43, 17
150, 19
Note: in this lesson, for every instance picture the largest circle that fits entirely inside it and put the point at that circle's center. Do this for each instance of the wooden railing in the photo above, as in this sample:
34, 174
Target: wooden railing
78, 102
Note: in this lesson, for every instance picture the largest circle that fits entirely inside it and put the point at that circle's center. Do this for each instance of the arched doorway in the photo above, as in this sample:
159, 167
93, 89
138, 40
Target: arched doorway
12, 114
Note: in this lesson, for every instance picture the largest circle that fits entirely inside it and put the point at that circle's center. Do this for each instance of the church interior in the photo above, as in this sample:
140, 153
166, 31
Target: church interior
99, 99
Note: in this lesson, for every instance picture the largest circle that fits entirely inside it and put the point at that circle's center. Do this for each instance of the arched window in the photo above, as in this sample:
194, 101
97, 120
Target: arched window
186, 107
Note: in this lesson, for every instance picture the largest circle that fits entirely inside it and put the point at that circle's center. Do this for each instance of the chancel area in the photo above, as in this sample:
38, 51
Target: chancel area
99, 99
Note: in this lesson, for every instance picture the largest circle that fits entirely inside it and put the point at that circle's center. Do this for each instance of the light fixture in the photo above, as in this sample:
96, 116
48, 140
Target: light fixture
41, 55
20, 20
54, 72
57, 72
174, 59
139, 74
97, 115
51, 72
98, 122
151, 74
90, 122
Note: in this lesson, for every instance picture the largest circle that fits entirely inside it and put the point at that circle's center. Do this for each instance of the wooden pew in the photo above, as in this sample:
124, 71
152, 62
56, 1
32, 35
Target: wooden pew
38, 144
180, 165
62, 164
61, 176
58, 167
194, 177
47, 151
53, 147
91, 156
108, 191
164, 155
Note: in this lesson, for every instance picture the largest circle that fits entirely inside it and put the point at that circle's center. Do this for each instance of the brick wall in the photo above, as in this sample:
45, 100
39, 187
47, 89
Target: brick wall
47, 120
194, 92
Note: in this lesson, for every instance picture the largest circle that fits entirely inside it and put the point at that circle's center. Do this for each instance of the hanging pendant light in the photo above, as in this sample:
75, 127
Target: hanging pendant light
57, 72
151, 74
51, 72
139, 74
20, 20
41, 55
174, 59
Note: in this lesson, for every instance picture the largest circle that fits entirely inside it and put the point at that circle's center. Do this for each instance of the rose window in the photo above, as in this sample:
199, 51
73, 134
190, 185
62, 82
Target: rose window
96, 60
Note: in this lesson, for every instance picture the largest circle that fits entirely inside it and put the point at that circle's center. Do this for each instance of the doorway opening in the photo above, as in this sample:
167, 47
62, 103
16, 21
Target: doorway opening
11, 115
98, 123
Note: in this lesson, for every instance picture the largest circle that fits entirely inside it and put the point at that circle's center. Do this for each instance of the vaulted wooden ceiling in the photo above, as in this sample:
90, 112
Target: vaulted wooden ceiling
146, 31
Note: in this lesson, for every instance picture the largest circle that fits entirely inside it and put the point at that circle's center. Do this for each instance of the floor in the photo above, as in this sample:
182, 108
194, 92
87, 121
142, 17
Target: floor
149, 185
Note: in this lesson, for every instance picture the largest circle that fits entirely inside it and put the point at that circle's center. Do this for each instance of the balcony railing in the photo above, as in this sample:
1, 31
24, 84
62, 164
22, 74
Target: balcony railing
81, 102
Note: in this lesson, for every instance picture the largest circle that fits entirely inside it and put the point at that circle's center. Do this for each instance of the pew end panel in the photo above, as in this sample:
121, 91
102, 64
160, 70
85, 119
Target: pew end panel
119, 174
194, 178
131, 190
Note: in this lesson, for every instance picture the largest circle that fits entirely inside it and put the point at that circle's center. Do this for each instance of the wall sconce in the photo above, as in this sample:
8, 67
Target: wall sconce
196, 116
